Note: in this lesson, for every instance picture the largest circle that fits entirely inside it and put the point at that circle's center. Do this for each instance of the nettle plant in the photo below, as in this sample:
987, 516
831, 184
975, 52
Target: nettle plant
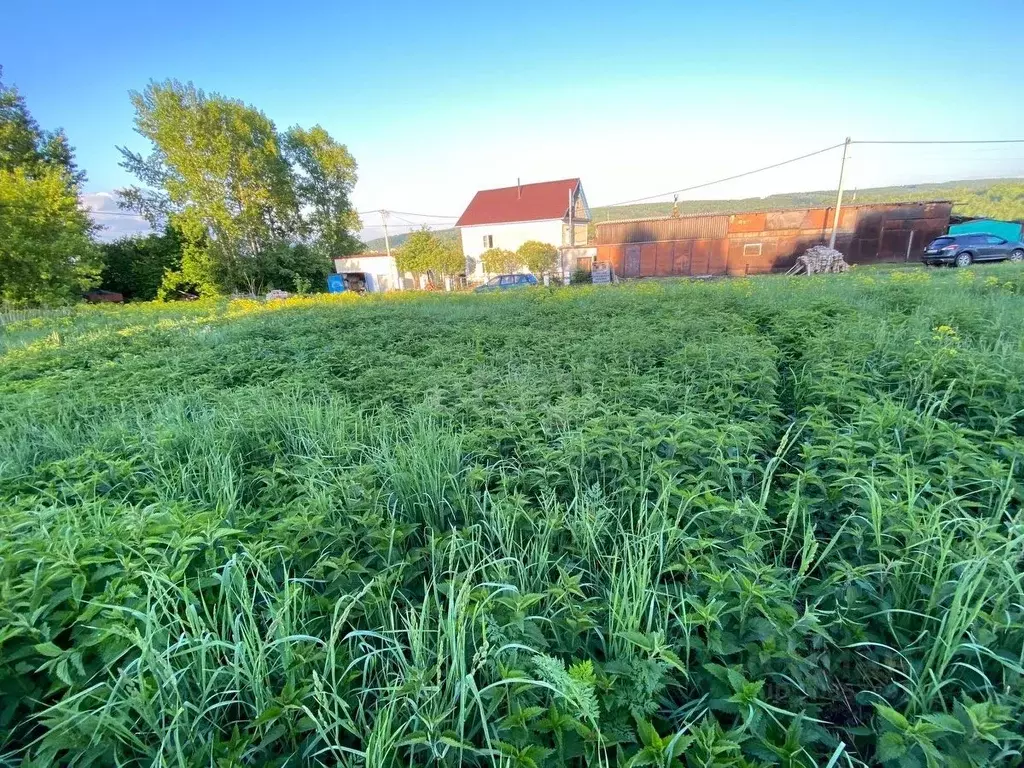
745, 523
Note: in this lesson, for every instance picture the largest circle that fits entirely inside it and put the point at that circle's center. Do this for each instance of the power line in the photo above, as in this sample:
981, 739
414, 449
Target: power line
408, 226
360, 213
408, 223
812, 154
728, 178
954, 141
420, 223
399, 214
406, 213
392, 223
426, 215
402, 218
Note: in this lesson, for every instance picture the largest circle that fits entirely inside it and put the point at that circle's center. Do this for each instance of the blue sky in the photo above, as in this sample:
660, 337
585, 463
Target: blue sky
436, 101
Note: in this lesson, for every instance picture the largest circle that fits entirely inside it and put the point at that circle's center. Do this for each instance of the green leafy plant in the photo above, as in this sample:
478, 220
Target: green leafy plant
758, 522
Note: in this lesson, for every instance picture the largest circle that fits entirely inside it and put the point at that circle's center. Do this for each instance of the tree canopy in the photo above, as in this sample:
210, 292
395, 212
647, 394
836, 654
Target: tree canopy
256, 208
46, 252
1003, 201
498, 261
423, 252
538, 257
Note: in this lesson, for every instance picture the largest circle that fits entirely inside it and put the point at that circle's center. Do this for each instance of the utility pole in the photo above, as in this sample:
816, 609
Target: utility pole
387, 241
839, 197
572, 239
387, 247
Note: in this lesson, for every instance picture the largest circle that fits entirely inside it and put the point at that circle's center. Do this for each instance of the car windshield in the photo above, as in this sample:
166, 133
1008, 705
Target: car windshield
494, 281
941, 242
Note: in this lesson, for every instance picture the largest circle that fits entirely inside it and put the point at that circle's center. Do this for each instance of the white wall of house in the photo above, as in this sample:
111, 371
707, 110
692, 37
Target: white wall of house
508, 236
381, 271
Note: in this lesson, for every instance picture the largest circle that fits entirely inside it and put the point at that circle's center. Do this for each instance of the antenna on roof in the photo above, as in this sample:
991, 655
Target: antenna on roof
519, 189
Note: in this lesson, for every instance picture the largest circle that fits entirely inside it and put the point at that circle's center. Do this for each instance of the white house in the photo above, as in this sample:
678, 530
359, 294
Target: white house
554, 212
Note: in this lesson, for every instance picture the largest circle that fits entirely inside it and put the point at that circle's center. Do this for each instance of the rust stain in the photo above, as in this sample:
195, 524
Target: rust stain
702, 245
747, 222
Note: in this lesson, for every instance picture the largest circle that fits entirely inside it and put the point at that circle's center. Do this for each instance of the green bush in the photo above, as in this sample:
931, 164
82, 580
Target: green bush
498, 261
581, 276
135, 266
537, 257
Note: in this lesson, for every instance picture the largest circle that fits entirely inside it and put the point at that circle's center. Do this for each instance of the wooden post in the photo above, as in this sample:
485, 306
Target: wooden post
839, 197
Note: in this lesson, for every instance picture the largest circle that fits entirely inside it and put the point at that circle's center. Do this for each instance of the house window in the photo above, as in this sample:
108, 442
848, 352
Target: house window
488, 241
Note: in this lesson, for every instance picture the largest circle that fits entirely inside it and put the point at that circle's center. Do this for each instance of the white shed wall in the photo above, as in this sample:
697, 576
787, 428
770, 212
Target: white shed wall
381, 271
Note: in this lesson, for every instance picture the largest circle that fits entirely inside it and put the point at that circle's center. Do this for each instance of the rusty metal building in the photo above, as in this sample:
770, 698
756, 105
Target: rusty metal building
751, 243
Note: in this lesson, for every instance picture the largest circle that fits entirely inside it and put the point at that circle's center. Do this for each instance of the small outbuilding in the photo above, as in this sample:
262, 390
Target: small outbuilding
372, 272
376, 272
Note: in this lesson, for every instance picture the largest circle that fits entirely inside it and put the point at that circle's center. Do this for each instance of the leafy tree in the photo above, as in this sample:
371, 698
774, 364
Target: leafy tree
423, 252
451, 261
23, 144
325, 174
244, 196
135, 266
537, 256
498, 261
292, 266
46, 252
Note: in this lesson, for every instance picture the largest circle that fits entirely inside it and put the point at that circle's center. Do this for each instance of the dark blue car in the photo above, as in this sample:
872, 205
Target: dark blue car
963, 250
505, 282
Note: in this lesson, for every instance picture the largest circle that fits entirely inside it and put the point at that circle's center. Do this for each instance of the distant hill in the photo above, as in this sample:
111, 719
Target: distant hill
967, 194
995, 198
377, 244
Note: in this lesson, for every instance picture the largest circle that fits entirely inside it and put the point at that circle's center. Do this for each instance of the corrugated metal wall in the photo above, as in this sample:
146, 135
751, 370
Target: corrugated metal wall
748, 243
655, 230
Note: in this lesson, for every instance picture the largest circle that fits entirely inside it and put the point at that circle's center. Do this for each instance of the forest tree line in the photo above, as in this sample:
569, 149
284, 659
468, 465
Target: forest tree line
237, 204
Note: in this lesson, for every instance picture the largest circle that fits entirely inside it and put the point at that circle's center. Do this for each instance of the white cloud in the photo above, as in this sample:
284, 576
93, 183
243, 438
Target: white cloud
115, 222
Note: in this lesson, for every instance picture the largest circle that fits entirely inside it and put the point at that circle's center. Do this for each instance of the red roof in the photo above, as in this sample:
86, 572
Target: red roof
529, 202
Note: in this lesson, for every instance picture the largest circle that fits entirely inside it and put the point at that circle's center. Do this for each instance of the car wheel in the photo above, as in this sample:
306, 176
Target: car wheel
1017, 255
963, 259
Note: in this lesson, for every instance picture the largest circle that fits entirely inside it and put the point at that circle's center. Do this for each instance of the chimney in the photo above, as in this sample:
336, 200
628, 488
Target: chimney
519, 189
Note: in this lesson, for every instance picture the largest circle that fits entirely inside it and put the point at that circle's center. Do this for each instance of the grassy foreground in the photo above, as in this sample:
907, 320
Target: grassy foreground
743, 523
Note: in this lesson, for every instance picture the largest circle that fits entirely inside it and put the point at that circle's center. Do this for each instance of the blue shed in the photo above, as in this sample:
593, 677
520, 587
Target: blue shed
1008, 230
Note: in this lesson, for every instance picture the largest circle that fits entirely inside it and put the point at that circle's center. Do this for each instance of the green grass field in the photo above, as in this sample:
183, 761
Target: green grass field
771, 521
